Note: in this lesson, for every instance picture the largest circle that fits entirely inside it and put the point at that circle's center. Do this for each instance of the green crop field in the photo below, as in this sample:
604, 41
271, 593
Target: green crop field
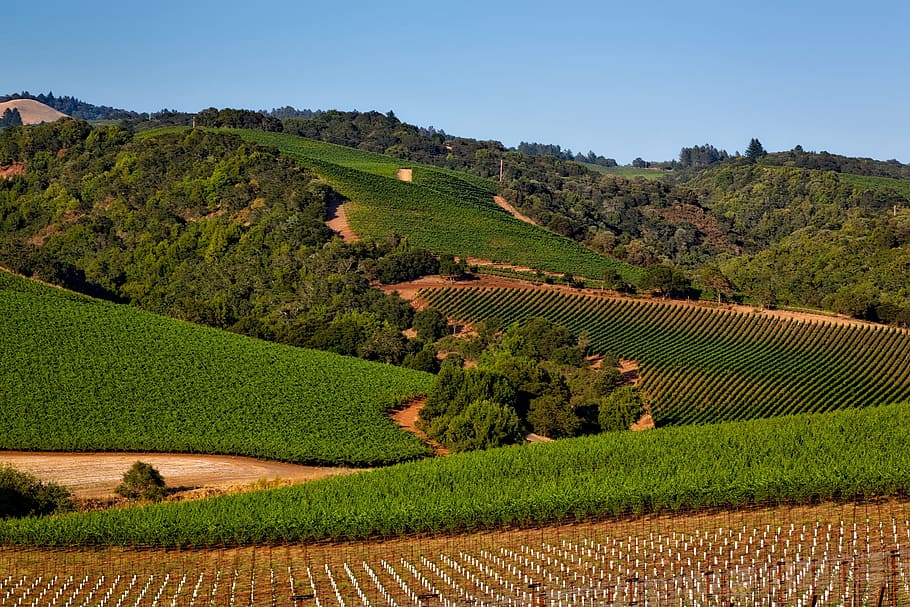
441, 210
703, 365
846, 455
78, 374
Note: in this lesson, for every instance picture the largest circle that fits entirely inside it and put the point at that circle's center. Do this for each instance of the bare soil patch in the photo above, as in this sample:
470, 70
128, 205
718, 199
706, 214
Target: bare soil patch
537, 438
406, 417
96, 475
338, 222
504, 205
645, 422
405, 174
17, 168
629, 370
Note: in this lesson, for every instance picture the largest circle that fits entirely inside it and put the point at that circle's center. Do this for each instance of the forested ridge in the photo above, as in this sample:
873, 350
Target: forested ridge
791, 228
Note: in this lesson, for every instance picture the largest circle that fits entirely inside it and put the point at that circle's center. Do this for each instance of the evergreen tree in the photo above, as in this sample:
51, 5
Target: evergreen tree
755, 150
11, 117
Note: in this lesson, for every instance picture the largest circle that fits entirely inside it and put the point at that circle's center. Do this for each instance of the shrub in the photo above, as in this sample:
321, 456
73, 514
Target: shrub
141, 481
21, 494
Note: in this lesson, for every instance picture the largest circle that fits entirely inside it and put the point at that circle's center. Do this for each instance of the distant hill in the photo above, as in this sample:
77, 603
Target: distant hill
76, 108
31, 111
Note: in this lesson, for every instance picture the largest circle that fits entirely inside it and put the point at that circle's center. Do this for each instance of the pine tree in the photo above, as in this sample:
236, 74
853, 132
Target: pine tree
755, 150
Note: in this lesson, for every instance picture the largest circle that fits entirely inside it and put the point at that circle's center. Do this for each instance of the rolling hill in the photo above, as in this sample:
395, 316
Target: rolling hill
31, 111
79, 374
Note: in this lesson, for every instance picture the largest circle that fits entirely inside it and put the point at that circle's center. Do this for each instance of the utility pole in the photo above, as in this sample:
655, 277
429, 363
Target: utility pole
500, 179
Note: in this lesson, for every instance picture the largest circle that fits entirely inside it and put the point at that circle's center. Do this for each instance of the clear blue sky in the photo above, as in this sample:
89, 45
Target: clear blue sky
624, 79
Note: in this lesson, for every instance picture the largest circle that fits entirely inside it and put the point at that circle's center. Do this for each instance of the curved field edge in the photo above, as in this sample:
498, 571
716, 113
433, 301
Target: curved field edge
846, 455
441, 210
78, 374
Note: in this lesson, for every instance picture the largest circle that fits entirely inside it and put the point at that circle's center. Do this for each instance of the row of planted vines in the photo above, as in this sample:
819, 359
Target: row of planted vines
845, 455
703, 365
820, 555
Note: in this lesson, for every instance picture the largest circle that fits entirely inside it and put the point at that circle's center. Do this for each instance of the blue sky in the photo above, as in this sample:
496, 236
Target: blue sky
624, 79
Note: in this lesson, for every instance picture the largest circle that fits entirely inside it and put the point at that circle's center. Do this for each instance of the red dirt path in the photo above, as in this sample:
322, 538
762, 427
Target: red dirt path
504, 205
338, 222
406, 417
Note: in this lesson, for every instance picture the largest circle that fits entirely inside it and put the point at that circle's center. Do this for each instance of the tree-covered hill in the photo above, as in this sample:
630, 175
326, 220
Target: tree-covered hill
201, 226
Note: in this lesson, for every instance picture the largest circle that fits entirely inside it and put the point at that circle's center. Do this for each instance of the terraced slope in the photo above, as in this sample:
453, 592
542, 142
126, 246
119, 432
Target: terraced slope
78, 374
443, 211
702, 365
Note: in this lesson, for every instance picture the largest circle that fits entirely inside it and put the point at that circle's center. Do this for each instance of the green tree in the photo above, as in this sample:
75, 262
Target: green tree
551, 415
483, 424
142, 481
21, 494
620, 409
755, 150
430, 324
422, 360
713, 278
11, 117
665, 280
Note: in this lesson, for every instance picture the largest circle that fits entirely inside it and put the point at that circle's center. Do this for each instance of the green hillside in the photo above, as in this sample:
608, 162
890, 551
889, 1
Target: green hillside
86, 375
444, 211
794, 459
701, 365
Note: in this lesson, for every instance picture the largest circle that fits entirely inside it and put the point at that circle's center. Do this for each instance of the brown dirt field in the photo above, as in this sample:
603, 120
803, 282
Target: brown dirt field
504, 205
406, 417
338, 222
31, 111
96, 475
17, 168
405, 174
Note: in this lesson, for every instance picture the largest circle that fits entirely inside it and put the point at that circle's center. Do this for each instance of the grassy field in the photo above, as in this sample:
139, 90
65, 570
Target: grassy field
441, 210
704, 365
78, 374
845, 455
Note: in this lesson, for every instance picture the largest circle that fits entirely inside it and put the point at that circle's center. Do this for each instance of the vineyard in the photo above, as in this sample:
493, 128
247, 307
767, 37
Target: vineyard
703, 365
443, 211
845, 455
78, 374
820, 555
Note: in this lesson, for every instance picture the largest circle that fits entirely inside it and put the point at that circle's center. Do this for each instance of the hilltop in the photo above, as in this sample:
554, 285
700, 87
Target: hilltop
31, 111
